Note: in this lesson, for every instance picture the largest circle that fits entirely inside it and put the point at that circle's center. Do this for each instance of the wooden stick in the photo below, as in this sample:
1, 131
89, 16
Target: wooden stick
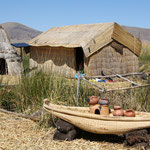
123, 75
119, 89
5, 85
78, 82
19, 114
128, 80
100, 88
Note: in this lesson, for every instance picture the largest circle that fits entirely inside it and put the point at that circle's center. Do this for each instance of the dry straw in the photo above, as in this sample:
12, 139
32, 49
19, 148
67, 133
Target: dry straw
19, 134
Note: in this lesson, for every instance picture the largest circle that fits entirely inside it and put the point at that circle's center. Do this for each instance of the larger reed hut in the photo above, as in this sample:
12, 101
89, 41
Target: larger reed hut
9, 61
91, 47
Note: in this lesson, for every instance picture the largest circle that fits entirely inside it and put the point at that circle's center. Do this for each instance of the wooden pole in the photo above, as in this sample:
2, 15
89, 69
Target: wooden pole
133, 87
5, 85
78, 84
100, 88
127, 80
123, 75
103, 90
21, 53
34, 118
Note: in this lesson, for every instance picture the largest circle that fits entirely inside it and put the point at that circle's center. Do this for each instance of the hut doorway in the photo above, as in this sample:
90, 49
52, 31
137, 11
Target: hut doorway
79, 59
3, 67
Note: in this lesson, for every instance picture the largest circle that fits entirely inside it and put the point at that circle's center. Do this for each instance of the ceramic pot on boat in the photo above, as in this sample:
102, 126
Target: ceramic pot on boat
103, 101
92, 100
104, 110
95, 109
118, 111
129, 113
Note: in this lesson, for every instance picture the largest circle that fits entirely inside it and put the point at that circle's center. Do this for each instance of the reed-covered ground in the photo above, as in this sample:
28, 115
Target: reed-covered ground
22, 134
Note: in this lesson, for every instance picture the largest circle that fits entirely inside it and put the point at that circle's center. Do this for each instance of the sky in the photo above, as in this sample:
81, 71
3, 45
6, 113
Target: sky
44, 14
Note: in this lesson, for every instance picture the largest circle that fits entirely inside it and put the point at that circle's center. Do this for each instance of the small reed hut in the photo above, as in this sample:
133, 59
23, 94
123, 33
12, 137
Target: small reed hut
91, 47
9, 60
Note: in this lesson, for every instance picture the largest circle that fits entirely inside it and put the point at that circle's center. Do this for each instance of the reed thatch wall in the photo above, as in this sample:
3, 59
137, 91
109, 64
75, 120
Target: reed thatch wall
57, 60
111, 61
61, 61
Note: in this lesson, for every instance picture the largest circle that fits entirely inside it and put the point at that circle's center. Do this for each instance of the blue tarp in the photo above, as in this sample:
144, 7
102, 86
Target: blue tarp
19, 45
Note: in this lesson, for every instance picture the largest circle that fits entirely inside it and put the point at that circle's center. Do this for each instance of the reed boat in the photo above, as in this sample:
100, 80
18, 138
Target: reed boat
95, 123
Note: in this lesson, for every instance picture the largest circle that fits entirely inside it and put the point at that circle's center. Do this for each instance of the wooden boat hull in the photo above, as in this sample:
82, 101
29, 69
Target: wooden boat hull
99, 124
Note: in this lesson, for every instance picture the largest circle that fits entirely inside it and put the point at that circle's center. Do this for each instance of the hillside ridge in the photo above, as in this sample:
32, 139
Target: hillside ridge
19, 33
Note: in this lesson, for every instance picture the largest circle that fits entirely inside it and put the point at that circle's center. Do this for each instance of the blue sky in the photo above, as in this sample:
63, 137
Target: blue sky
44, 14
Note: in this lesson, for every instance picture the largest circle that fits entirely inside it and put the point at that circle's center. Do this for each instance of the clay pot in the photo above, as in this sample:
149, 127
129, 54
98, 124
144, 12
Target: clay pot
129, 113
95, 109
117, 107
92, 100
118, 111
103, 101
104, 110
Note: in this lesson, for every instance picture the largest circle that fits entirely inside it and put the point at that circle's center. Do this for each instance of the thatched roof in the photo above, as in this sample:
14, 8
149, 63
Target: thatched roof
6, 50
9, 54
3, 36
91, 37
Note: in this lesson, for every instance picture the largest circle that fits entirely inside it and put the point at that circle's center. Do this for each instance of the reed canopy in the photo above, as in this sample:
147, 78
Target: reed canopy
91, 48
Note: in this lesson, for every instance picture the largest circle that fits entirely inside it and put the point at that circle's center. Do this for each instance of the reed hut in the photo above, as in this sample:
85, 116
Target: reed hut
9, 61
90, 47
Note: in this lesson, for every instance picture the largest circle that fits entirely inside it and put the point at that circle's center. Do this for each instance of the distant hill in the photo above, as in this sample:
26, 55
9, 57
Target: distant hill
19, 33
142, 33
